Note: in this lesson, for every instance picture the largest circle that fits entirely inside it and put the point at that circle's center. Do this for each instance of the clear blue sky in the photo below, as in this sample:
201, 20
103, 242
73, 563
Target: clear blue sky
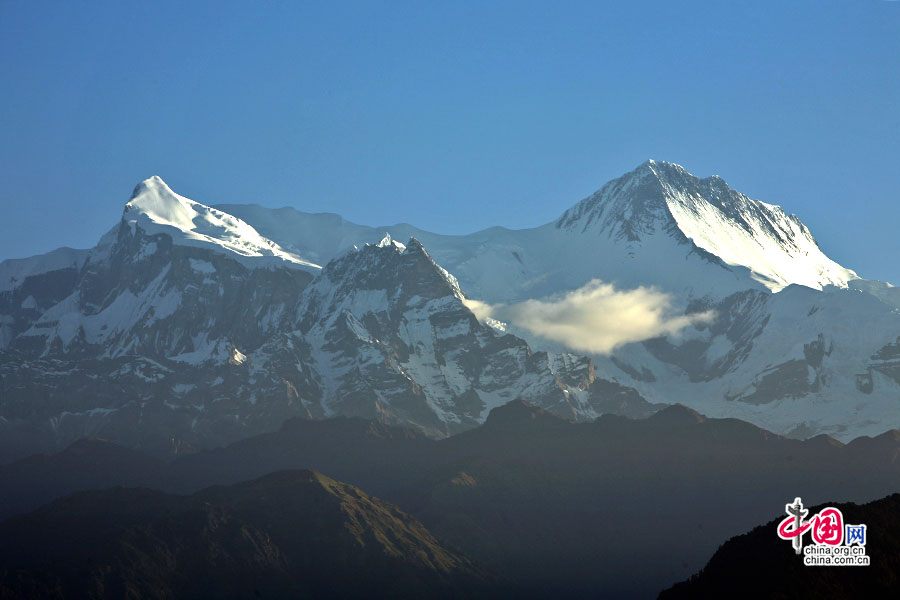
453, 116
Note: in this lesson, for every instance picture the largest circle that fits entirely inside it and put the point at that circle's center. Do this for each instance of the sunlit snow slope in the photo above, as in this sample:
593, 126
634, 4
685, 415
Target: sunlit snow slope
157, 209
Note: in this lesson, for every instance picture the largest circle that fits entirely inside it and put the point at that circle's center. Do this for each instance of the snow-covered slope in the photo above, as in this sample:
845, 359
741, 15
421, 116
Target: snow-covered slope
320, 237
800, 362
32, 285
14, 271
776, 247
157, 209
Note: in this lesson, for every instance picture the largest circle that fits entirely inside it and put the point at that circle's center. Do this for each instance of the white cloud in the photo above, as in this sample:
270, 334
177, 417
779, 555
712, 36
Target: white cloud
595, 318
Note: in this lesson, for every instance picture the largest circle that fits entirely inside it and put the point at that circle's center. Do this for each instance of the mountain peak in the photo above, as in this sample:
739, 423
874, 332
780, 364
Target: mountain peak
390, 264
627, 209
673, 174
661, 167
388, 241
155, 208
660, 198
155, 199
152, 183
677, 414
519, 413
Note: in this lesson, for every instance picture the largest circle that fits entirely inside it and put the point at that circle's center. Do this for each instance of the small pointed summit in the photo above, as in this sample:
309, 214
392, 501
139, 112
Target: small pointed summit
662, 169
388, 241
154, 199
385, 241
518, 414
154, 182
677, 414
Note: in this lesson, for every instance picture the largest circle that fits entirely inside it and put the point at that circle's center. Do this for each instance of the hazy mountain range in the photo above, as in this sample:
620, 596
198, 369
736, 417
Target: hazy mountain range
616, 507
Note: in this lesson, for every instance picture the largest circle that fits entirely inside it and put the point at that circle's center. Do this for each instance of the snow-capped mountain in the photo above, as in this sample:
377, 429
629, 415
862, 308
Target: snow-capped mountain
164, 336
191, 324
776, 248
776, 296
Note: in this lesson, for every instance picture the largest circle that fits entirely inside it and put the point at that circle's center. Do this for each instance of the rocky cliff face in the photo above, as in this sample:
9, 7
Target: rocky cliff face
390, 336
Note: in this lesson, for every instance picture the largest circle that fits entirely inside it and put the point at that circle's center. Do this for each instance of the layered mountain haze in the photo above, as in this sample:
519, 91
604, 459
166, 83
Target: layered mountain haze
192, 325
613, 508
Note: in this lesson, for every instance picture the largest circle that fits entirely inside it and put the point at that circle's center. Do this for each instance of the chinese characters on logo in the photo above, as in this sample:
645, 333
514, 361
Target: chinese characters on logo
834, 543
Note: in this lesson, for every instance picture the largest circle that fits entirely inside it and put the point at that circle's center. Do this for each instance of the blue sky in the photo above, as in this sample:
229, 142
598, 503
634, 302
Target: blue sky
453, 116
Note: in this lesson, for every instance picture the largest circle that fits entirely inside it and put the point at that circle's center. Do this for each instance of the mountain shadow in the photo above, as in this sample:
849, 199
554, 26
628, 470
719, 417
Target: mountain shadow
292, 534
615, 507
